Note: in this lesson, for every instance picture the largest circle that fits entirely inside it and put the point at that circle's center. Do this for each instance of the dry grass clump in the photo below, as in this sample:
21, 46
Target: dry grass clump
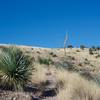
40, 74
71, 86
74, 87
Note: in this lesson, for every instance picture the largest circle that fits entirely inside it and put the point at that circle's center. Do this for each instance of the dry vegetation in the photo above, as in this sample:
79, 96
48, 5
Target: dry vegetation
74, 74
76, 88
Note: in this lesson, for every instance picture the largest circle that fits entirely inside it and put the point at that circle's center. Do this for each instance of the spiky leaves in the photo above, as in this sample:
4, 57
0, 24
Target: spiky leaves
15, 69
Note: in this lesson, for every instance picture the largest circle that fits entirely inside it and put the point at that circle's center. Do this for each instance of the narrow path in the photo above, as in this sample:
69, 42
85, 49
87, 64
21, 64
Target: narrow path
50, 88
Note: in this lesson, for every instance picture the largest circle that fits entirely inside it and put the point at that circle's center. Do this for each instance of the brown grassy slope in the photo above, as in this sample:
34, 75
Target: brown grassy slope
70, 84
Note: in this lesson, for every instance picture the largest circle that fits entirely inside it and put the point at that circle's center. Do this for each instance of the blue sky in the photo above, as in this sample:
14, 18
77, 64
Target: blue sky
45, 22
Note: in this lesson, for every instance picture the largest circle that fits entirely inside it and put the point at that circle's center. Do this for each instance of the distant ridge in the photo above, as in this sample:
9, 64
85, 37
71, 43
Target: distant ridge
21, 45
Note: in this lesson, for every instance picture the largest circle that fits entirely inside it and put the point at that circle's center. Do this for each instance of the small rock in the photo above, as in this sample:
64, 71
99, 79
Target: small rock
35, 98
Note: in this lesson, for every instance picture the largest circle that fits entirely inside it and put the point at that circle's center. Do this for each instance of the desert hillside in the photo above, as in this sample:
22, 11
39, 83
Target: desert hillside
56, 76
76, 59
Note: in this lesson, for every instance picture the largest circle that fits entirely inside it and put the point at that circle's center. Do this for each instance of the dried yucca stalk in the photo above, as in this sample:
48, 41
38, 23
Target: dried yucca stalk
65, 43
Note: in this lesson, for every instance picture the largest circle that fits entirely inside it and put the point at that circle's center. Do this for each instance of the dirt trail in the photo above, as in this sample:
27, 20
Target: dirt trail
50, 88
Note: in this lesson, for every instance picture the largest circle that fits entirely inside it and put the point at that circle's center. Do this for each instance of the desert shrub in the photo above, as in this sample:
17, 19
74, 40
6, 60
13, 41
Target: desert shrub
15, 69
53, 54
90, 51
38, 52
86, 61
93, 47
80, 64
71, 57
77, 50
68, 66
46, 61
70, 46
32, 48
98, 56
82, 47
98, 48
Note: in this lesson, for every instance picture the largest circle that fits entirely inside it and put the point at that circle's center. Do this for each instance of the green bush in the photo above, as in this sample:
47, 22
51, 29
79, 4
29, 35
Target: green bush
98, 48
15, 69
90, 51
93, 47
45, 61
82, 47
69, 46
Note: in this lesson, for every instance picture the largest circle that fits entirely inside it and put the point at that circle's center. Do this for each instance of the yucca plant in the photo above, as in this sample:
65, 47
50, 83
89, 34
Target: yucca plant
15, 69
